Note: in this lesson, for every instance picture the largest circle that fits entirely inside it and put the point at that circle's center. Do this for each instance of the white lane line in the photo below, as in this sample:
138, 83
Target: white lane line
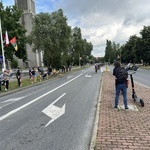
13, 99
10, 101
36, 99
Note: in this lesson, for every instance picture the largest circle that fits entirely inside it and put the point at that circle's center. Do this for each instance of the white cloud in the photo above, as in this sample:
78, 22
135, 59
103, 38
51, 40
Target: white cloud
105, 19
115, 20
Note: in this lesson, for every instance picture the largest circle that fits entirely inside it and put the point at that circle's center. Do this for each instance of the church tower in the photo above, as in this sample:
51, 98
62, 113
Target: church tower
28, 7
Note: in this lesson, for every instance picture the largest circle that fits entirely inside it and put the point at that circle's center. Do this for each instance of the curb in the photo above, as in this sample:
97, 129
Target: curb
95, 128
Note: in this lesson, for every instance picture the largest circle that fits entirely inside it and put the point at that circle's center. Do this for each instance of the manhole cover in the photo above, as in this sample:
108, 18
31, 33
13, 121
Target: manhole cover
131, 107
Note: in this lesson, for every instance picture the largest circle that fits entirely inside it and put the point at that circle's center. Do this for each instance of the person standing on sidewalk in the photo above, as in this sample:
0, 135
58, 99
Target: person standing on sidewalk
30, 73
6, 76
121, 85
1, 81
18, 76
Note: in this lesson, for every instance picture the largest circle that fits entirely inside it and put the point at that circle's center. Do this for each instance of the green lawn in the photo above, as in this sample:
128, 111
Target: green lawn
145, 67
13, 84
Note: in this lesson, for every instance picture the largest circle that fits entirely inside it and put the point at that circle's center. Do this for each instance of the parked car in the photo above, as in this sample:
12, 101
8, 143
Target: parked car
132, 67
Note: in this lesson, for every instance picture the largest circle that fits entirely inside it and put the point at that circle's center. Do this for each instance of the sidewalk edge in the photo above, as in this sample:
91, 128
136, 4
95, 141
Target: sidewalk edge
94, 134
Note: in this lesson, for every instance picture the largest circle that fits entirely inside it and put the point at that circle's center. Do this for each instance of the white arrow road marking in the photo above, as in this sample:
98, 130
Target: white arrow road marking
10, 101
88, 76
36, 99
53, 111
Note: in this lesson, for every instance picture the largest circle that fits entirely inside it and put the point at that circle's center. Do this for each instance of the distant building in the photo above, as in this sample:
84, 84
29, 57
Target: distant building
28, 7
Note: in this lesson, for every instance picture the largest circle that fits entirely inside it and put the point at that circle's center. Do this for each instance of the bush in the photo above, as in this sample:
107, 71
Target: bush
14, 64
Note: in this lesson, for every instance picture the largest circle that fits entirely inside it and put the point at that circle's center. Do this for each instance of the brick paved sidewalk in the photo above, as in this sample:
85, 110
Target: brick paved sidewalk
123, 129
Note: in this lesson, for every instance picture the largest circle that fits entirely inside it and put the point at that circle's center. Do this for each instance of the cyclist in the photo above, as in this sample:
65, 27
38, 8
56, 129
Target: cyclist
96, 67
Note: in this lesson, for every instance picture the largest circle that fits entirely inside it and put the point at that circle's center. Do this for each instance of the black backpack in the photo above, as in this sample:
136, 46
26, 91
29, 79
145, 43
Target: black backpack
121, 74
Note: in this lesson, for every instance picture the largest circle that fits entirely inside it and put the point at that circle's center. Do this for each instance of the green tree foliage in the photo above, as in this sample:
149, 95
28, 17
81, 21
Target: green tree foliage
80, 48
116, 52
51, 35
61, 44
111, 51
135, 50
10, 18
108, 49
145, 42
86, 51
129, 50
77, 44
64, 33
14, 64
139, 51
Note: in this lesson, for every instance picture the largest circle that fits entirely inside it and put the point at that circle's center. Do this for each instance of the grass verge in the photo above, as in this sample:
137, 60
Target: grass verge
13, 84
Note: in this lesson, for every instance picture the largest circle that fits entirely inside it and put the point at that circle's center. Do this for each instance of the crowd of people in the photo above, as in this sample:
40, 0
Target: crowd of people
36, 74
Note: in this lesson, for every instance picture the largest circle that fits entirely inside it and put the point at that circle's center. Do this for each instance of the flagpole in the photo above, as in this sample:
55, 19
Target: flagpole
4, 65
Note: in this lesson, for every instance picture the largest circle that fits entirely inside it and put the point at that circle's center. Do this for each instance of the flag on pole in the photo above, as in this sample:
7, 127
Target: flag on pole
14, 43
4, 64
6, 38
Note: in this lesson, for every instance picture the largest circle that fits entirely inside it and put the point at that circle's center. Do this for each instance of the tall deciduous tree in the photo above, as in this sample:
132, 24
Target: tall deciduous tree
112, 52
108, 51
129, 50
10, 18
77, 44
86, 51
135, 50
145, 41
51, 35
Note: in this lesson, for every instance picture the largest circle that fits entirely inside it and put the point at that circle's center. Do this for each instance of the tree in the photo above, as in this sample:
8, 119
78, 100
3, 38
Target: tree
129, 50
116, 52
108, 50
63, 32
77, 44
51, 34
135, 50
112, 52
10, 17
86, 51
144, 50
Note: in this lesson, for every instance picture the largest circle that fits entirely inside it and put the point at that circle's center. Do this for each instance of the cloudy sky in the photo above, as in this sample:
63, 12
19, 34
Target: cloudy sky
115, 20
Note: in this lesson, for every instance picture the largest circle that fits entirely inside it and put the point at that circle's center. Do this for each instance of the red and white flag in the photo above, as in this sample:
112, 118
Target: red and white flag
6, 39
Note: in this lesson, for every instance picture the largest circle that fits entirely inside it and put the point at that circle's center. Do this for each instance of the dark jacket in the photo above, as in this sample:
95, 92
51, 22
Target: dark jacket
115, 74
18, 74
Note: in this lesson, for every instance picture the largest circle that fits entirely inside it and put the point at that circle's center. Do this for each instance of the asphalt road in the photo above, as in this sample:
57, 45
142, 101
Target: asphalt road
141, 76
56, 115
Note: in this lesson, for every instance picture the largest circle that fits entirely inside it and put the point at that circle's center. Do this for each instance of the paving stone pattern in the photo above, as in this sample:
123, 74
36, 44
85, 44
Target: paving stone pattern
123, 129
